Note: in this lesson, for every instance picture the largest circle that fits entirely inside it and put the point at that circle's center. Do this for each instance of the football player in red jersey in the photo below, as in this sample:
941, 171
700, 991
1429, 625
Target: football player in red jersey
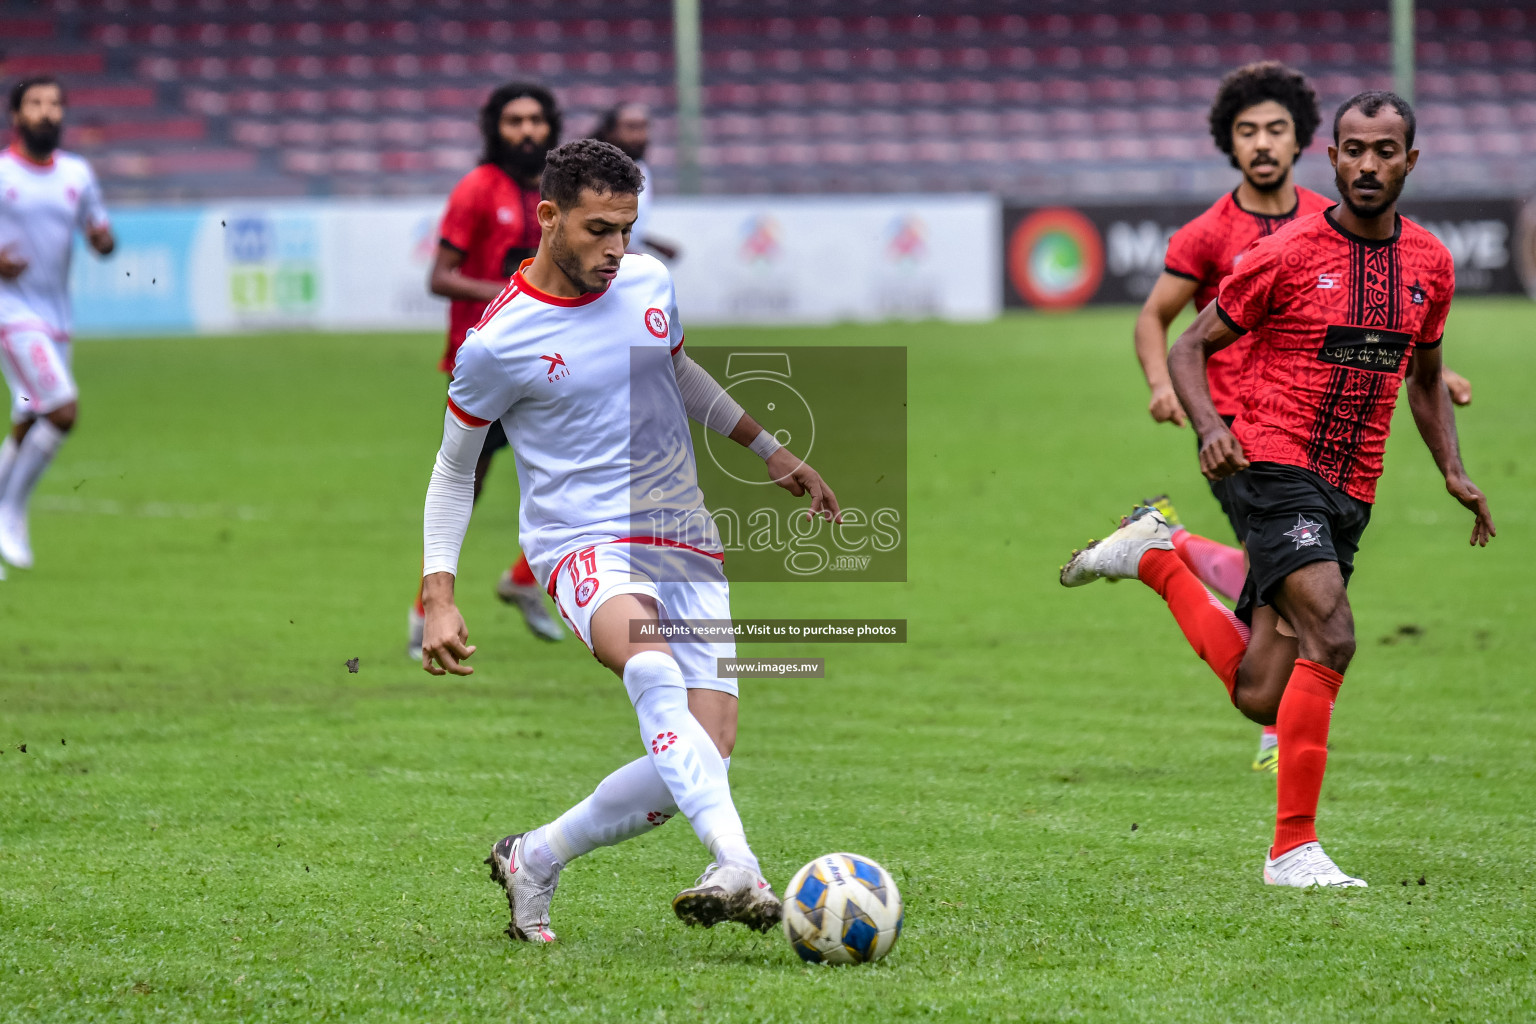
488, 229
1342, 306
1263, 117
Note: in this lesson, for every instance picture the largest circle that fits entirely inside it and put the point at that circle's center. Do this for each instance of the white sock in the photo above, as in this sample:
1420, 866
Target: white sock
685, 757
629, 802
37, 450
8, 449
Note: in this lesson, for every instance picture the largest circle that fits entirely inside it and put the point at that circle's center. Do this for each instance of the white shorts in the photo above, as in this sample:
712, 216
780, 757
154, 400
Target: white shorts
686, 583
36, 361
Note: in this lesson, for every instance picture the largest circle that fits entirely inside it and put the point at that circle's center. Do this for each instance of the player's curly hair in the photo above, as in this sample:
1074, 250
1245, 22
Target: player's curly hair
1254, 83
19, 90
490, 116
588, 163
1370, 104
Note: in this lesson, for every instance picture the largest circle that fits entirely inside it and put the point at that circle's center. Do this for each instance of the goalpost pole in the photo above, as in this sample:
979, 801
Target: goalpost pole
1402, 48
687, 46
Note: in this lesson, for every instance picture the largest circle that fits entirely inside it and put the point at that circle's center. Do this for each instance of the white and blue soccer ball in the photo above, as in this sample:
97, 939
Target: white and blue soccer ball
842, 909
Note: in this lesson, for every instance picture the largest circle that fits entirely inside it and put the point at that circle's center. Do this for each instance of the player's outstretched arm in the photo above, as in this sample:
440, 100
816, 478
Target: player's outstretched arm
1220, 453
445, 519
1430, 400
447, 280
1169, 295
445, 637
708, 403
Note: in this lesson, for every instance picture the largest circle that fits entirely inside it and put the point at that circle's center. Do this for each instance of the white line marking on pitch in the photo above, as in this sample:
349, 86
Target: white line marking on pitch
146, 510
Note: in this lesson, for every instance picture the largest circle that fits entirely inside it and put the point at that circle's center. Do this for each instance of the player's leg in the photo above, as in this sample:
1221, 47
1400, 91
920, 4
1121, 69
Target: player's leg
1252, 663
519, 588
1219, 566
1314, 601
21, 423
38, 367
1222, 568
636, 798
1302, 548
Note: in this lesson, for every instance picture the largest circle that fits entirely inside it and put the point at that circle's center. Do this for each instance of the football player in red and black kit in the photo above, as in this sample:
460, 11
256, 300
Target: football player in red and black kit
488, 229
1339, 308
1263, 118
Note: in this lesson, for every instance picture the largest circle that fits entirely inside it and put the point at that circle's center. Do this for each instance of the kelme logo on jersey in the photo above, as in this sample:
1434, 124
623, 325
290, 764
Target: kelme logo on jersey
557, 368
1055, 258
656, 322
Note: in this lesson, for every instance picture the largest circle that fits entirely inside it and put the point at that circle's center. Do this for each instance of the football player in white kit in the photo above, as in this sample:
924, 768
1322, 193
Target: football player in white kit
45, 195
581, 359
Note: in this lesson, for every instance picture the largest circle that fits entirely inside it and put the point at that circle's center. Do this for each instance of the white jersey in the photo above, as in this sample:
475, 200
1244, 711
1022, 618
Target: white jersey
642, 211
587, 393
40, 208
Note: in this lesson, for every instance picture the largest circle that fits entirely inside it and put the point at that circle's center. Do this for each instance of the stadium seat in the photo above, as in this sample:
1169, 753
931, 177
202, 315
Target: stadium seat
1022, 94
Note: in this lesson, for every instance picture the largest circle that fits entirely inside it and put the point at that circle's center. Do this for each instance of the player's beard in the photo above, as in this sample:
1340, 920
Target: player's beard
42, 138
569, 263
1390, 190
524, 161
1268, 186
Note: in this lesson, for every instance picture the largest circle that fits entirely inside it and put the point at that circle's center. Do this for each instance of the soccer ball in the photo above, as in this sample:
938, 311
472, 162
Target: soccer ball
842, 909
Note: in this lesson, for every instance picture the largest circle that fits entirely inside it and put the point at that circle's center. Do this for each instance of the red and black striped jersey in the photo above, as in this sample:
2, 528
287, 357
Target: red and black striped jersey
1203, 251
1331, 320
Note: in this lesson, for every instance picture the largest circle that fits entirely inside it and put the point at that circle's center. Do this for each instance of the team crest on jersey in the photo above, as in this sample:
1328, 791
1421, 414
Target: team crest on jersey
1416, 293
1306, 533
656, 322
585, 591
557, 368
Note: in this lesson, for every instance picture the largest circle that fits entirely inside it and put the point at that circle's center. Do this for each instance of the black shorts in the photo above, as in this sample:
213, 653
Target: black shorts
1221, 490
1292, 518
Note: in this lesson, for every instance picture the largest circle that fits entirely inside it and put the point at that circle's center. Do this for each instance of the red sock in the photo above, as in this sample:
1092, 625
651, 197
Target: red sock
1218, 636
521, 574
1219, 566
1305, 711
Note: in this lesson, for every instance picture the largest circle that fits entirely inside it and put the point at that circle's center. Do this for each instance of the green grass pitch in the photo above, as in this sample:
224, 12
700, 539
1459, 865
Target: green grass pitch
214, 820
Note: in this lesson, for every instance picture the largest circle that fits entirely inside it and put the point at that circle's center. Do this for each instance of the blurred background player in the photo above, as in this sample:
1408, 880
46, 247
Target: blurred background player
628, 126
45, 195
1263, 118
489, 228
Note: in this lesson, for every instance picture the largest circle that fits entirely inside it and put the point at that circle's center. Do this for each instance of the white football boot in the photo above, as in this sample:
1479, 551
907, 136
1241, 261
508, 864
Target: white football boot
729, 893
1117, 556
1308, 866
527, 899
415, 629
15, 541
529, 599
